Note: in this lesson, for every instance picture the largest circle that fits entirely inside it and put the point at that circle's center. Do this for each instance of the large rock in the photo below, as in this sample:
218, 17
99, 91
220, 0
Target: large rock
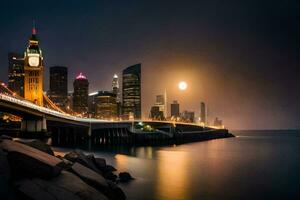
125, 177
78, 156
66, 187
5, 137
42, 146
92, 178
89, 175
27, 189
6, 189
5, 172
91, 157
26, 161
116, 192
110, 176
100, 163
75, 185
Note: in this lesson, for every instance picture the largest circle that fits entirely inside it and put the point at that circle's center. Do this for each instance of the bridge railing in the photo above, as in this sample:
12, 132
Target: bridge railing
67, 116
47, 110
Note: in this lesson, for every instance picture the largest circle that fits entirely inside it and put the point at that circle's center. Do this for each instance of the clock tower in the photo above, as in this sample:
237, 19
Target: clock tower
34, 71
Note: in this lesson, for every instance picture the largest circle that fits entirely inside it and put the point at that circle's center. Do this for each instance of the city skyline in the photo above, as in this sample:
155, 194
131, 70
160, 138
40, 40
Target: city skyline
244, 88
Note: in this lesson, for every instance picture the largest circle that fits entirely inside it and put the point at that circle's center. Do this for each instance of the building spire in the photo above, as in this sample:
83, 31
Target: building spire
33, 28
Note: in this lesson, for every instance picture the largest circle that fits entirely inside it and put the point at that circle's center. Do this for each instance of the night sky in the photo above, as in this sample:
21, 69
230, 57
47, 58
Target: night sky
240, 57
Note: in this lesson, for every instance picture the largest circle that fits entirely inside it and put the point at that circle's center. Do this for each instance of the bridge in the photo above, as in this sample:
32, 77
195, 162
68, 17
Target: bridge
68, 129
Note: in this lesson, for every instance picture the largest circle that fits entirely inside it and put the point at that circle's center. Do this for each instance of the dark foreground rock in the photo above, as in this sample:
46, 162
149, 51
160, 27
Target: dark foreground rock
37, 144
30, 171
30, 162
100, 163
5, 137
40, 189
78, 156
125, 177
67, 186
99, 182
90, 176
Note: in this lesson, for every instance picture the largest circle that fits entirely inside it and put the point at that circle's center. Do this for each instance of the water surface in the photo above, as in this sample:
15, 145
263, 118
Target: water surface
253, 165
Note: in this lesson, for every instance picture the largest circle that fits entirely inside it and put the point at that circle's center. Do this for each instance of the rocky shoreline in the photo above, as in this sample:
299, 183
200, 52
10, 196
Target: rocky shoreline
30, 170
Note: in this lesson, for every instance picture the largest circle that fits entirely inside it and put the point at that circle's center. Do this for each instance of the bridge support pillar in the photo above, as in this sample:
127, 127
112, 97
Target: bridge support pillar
34, 125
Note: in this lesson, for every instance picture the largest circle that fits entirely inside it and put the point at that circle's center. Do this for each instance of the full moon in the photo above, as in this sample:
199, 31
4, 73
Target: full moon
182, 85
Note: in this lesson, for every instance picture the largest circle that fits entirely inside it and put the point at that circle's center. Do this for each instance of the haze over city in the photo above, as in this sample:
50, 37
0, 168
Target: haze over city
243, 67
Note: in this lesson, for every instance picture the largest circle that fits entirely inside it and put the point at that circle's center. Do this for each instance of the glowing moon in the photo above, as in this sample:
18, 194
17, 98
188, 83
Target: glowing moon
182, 85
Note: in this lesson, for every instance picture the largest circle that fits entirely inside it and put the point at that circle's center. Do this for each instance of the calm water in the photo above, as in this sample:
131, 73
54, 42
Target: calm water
254, 165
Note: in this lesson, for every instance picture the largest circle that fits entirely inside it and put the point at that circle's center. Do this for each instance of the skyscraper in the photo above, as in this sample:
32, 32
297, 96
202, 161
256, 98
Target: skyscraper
115, 87
80, 95
34, 71
116, 91
202, 113
175, 112
106, 105
132, 91
58, 92
16, 73
158, 110
92, 103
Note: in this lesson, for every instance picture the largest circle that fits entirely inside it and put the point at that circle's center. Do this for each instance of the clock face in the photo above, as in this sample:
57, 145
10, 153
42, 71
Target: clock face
34, 61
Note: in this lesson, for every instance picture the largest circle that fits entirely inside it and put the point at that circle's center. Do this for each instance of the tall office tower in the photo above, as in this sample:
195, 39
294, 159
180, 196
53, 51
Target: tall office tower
80, 95
116, 91
34, 71
161, 105
106, 105
115, 87
16, 73
202, 113
59, 86
92, 103
175, 109
132, 92
69, 106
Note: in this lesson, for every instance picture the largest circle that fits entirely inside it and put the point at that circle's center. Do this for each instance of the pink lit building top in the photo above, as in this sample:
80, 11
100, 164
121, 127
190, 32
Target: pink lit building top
81, 76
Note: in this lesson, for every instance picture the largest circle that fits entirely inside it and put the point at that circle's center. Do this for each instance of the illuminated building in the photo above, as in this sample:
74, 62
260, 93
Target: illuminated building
92, 103
131, 92
218, 123
106, 105
159, 109
34, 71
58, 92
156, 113
115, 87
202, 113
116, 91
80, 95
175, 109
16, 73
188, 116
69, 106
